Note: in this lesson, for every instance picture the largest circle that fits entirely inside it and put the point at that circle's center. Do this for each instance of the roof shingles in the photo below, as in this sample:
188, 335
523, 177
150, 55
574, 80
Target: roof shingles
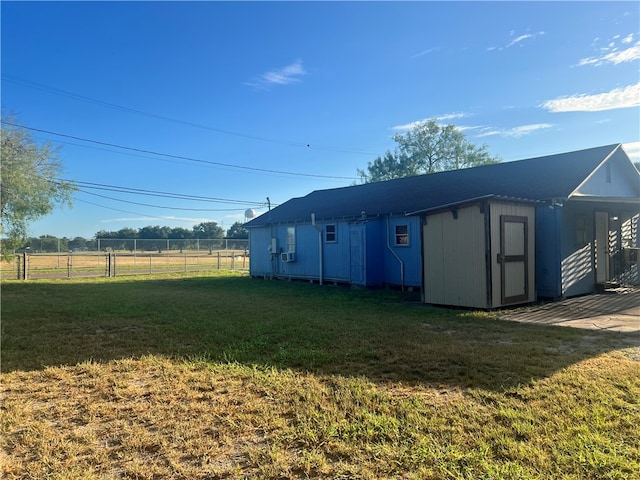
541, 178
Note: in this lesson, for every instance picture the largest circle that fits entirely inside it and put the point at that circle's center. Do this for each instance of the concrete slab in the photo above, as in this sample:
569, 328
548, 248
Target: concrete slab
615, 310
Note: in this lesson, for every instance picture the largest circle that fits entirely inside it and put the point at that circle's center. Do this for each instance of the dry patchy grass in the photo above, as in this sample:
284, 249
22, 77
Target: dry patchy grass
159, 418
303, 382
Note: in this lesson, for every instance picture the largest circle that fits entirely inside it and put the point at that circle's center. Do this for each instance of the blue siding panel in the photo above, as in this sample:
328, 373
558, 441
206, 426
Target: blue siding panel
336, 255
408, 262
259, 241
373, 253
548, 280
577, 257
379, 265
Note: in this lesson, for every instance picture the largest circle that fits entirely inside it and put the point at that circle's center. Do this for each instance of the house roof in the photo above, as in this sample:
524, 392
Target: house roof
534, 179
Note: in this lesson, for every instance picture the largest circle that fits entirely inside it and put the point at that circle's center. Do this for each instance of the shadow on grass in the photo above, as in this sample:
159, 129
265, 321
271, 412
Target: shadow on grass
385, 336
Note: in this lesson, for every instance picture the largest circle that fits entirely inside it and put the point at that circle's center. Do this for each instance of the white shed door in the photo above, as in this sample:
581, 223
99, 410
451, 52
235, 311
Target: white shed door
513, 259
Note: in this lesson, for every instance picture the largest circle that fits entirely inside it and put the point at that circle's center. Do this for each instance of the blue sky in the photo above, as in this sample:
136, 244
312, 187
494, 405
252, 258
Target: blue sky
241, 101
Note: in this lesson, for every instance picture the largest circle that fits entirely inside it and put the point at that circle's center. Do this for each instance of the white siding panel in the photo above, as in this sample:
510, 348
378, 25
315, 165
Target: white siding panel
454, 258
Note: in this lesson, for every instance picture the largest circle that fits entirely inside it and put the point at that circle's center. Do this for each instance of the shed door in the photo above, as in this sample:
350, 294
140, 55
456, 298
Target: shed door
356, 247
513, 259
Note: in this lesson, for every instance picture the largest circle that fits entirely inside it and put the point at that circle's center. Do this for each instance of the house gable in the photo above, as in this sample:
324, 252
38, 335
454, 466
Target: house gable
615, 177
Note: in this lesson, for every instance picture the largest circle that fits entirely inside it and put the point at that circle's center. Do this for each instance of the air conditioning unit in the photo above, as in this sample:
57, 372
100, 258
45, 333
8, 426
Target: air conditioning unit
288, 257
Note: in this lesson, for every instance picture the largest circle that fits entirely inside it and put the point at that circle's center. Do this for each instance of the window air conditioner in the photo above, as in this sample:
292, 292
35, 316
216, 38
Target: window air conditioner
288, 257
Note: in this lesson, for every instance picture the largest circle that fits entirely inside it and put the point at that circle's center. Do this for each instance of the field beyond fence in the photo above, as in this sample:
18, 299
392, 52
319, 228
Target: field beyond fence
110, 264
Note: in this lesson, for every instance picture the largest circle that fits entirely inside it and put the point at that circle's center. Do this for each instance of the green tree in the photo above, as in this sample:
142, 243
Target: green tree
426, 148
127, 233
181, 233
79, 244
237, 230
208, 230
31, 186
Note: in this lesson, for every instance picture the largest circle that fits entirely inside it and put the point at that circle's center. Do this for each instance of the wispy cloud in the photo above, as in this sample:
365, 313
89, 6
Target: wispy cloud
628, 38
425, 52
514, 132
625, 97
633, 150
517, 40
616, 57
439, 118
617, 50
292, 73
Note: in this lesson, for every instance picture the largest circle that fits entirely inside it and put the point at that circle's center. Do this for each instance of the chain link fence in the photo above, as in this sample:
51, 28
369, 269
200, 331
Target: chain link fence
145, 257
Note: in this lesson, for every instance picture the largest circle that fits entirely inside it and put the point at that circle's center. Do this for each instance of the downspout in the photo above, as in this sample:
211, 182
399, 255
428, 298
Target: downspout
395, 254
272, 254
319, 230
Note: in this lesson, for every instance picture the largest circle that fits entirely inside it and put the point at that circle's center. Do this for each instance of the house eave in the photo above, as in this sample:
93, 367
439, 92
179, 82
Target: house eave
471, 201
596, 199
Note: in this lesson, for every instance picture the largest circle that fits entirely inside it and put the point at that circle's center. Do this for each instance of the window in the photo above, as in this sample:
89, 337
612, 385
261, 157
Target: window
330, 233
291, 239
581, 231
402, 235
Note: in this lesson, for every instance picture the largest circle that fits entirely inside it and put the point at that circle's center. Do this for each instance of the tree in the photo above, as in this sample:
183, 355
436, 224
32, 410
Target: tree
208, 230
181, 233
31, 186
237, 230
427, 148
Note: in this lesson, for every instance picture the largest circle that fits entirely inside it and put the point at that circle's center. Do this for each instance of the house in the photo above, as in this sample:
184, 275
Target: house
483, 237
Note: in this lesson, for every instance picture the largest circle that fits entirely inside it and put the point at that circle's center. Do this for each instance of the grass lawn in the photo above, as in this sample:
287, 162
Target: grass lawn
223, 376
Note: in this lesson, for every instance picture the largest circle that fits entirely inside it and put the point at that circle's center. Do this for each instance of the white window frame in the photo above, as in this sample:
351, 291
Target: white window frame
327, 233
291, 239
399, 235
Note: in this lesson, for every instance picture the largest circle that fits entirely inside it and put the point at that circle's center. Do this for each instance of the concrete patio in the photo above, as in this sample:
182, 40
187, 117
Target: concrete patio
615, 310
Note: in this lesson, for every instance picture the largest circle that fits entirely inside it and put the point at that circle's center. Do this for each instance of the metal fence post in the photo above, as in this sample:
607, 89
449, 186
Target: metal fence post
69, 257
218, 260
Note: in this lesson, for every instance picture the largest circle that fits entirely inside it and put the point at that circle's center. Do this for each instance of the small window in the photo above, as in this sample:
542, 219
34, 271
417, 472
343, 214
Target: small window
330, 234
402, 235
291, 239
581, 231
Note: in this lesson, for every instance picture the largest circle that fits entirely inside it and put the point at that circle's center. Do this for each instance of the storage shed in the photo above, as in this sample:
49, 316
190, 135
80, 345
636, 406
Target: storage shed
480, 254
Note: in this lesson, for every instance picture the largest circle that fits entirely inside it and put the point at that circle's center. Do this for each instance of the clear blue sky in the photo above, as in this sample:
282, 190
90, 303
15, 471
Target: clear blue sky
313, 89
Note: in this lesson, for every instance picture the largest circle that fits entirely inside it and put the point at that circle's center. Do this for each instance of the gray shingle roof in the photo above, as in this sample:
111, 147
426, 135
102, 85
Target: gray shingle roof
541, 178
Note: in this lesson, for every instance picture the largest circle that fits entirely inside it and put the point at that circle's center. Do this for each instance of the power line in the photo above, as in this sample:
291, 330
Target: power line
163, 206
156, 193
180, 157
75, 96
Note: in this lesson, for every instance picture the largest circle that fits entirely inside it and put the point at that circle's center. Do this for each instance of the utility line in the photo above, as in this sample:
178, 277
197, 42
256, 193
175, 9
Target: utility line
114, 209
75, 96
162, 206
180, 157
156, 193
